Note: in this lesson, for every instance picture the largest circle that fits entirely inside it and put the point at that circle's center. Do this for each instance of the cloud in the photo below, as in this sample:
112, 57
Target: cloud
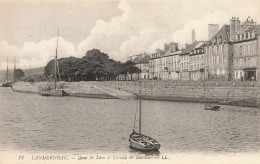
34, 54
143, 26
147, 25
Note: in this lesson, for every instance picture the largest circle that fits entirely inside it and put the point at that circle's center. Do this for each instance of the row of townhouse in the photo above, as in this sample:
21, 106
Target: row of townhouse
231, 52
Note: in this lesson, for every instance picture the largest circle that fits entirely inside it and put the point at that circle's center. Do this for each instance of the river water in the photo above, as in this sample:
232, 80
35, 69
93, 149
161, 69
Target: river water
30, 122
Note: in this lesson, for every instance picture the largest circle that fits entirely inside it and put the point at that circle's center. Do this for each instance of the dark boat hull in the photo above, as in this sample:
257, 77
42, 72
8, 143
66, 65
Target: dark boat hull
57, 93
215, 108
7, 85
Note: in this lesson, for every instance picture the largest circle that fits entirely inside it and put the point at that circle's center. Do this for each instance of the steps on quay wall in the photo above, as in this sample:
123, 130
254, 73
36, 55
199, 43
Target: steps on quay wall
120, 94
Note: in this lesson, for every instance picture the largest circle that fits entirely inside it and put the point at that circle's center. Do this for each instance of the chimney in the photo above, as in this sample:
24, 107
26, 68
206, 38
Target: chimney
234, 28
213, 29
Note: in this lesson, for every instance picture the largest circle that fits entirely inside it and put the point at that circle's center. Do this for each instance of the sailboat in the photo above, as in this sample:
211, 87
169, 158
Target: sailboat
56, 91
6, 82
140, 141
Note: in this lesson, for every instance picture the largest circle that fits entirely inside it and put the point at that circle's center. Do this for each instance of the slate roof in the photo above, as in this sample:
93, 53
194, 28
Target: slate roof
189, 48
255, 28
139, 60
223, 32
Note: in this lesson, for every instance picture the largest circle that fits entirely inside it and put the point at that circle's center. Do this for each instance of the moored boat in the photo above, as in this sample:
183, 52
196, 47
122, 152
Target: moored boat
55, 91
143, 142
212, 107
6, 82
140, 141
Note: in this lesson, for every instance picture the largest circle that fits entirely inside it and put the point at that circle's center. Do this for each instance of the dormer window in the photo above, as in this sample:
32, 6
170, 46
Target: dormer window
241, 37
248, 35
244, 35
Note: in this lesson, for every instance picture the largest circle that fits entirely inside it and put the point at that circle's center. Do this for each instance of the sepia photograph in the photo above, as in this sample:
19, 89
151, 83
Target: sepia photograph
129, 81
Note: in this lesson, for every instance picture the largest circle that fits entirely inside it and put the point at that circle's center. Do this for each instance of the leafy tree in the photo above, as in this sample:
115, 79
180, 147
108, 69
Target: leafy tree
69, 69
95, 65
49, 68
96, 55
130, 68
19, 74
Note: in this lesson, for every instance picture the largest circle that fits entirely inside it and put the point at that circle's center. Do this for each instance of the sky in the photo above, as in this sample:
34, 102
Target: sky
120, 28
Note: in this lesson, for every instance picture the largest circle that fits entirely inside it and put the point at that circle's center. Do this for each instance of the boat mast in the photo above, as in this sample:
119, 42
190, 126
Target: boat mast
140, 112
55, 63
7, 71
14, 70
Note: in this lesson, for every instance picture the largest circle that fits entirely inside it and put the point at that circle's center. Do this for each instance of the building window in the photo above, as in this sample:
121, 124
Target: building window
253, 47
241, 50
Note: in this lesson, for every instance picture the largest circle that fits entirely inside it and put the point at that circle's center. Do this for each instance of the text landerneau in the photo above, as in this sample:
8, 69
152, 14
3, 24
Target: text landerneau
50, 157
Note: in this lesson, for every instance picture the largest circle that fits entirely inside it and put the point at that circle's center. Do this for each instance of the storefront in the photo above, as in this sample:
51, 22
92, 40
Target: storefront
250, 73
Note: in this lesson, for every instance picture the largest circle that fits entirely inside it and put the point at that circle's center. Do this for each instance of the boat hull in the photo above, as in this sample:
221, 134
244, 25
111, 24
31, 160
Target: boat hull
215, 108
7, 85
143, 142
59, 93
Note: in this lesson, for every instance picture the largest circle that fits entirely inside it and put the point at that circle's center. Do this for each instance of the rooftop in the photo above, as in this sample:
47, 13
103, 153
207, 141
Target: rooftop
223, 32
189, 48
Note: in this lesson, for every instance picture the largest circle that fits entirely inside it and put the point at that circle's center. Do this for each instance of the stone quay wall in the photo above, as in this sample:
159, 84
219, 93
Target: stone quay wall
219, 92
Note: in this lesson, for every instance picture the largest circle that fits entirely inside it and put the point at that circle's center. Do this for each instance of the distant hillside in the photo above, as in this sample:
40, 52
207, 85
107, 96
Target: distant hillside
31, 71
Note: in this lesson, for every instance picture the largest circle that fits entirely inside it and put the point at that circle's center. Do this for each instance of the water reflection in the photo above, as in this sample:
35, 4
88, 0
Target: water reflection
146, 153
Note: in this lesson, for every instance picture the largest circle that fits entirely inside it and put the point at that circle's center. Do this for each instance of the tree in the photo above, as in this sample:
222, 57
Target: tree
96, 55
49, 68
19, 74
70, 69
130, 68
101, 64
95, 65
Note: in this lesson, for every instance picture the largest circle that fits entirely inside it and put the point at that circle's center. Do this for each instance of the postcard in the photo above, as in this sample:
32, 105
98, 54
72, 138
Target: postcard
129, 81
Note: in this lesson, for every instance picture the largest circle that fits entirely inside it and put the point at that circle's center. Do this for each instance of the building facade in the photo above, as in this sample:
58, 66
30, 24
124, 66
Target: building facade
231, 52
246, 54
184, 61
196, 62
164, 63
218, 55
142, 62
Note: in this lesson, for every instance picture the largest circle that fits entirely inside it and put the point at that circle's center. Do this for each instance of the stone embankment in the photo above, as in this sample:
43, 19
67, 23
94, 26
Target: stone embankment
229, 93
75, 89
27, 87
